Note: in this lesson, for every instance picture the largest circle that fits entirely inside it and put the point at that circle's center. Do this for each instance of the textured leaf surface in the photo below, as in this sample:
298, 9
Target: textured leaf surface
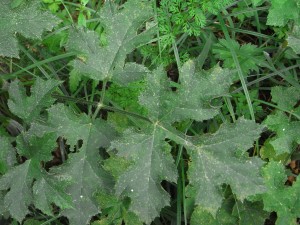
197, 92
130, 73
83, 167
286, 129
7, 155
152, 163
214, 158
224, 216
26, 107
293, 39
115, 210
62, 120
50, 189
99, 62
282, 11
215, 162
27, 20
286, 98
193, 99
20, 179
282, 199
250, 213
287, 132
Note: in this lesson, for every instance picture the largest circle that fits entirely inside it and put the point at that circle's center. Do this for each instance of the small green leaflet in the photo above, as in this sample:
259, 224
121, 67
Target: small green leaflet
99, 63
26, 19
26, 107
21, 178
83, 167
284, 200
248, 55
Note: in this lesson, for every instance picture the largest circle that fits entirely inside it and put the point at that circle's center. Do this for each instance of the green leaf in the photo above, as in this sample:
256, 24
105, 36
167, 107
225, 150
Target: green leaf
152, 163
27, 20
282, 199
293, 39
224, 216
81, 20
74, 80
33, 222
16, 3
214, 162
285, 97
19, 197
250, 213
257, 2
121, 28
62, 120
247, 54
7, 155
50, 189
214, 157
194, 98
83, 167
26, 107
115, 210
19, 180
286, 132
197, 92
282, 11
267, 152
130, 73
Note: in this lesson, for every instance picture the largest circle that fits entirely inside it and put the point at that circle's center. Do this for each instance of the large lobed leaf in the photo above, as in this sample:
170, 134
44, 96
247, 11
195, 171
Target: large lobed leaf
99, 63
20, 179
83, 167
214, 162
214, 157
27, 19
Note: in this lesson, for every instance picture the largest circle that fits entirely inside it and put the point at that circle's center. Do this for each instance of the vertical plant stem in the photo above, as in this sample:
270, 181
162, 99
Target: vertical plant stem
100, 104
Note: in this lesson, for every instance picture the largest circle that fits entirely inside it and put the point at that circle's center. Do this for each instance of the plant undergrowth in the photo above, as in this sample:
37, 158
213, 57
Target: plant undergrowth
149, 112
